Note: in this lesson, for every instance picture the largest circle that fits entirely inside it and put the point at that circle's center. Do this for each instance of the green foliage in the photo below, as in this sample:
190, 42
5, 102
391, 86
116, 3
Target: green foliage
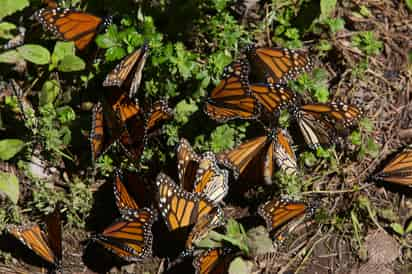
9, 214
259, 241
79, 203
367, 43
183, 110
315, 85
49, 92
10, 57
235, 235
409, 4
9, 7
291, 184
223, 137
240, 266
9, 185
364, 139
335, 24
34, 53
105, 165
327, 7
9, 148
5, 30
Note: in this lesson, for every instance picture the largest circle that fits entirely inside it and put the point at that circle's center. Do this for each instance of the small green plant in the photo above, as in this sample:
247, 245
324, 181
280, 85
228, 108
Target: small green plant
315, 85
79, 203
367, 43
364, 140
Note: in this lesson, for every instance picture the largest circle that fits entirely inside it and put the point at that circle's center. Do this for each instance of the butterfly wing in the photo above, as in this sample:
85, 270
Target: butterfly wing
158, 114
211, 180
70, 25
35, 239
284, 155
187, 164
123, 106
278, 212
279, 64
213, 261
125, 203
343, 115
180, 208
272, 97
316, 130
240, 157
54, 233
398, 170
129, 71
202, 227
231, 98
130, 239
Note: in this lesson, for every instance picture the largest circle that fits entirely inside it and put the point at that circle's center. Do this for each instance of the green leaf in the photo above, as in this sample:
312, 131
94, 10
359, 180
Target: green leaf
327, 7
5, 29
223, 137
236, 235
9, 7
62, 49
71, 63
9, 185
115, 53
355, 138
66, 114
409, 227
240, 266
9, 148
409, 4
397, 228
49, 92
259, 241
10, 57
35, 54
184, 109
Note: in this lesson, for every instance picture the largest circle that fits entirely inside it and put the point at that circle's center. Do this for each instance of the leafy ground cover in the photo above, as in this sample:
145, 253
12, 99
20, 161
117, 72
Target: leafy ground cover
362, 54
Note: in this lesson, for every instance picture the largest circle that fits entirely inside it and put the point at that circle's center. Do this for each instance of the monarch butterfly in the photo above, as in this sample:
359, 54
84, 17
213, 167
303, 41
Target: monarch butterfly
284, 155
124, 108
104, 132
202, 227
138, 129
279, 64
213, 261
272, 97
180, 208
71, 25
231, 98
129, 239
256, 157
131, 65
187, 164
201, 174
158, 114
125, 203
277, 212
49, 247
398, 170
321, 123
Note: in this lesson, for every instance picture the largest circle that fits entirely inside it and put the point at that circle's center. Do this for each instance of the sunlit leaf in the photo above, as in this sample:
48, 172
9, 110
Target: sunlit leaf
9, 7
35, 54
9, 148
9, 185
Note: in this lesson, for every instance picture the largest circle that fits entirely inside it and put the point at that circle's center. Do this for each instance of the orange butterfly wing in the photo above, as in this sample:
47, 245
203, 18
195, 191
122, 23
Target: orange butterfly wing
231, 98
130, 239
398, 170
278, 212
70, 25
